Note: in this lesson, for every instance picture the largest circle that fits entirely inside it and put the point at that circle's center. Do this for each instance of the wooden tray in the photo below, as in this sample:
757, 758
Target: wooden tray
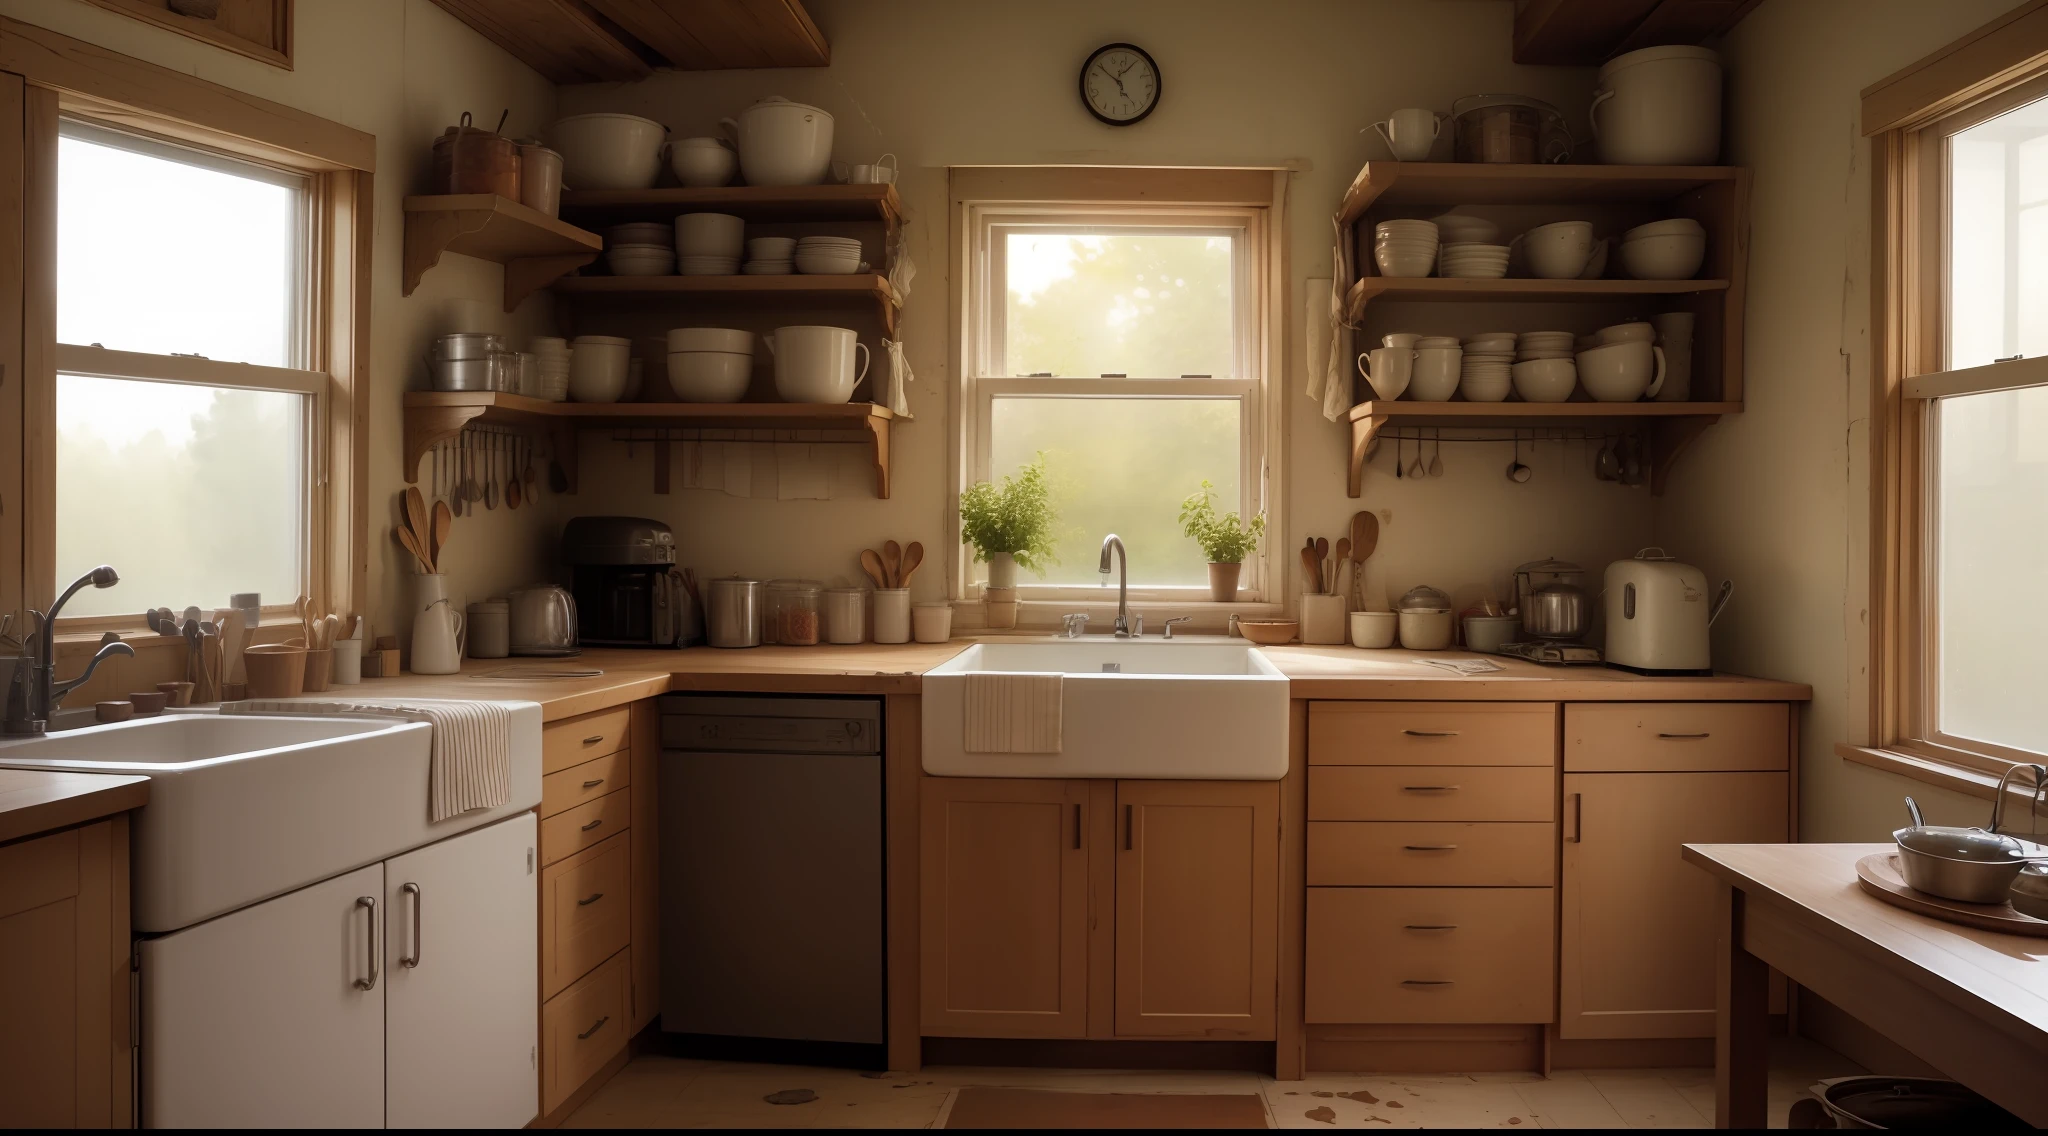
1881, 877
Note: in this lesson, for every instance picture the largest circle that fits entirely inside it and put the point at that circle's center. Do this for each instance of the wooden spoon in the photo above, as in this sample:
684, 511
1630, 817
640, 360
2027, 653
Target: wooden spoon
892, 562
412, 545
871, 563
416, 516
912, 557
1323, 580
1365, 536
443, 522
1309, 578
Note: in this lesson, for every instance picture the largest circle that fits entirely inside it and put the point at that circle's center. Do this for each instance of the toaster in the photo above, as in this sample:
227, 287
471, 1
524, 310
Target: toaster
1658, 612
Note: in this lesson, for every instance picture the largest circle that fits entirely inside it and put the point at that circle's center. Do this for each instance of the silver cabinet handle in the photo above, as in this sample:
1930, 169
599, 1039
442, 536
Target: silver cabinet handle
1429, 788
419, 900
1429, 847
593, 899
1431, 733
594, 1027
1431, 927
374, 941
593, 784
1427, 982
1691, 737
591, 825
593, 739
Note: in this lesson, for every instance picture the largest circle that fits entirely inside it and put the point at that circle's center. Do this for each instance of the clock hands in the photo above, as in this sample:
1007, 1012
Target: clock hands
1115, 79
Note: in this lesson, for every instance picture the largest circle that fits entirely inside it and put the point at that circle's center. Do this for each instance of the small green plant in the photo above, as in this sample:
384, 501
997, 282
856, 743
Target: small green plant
1224, 539
1017, 517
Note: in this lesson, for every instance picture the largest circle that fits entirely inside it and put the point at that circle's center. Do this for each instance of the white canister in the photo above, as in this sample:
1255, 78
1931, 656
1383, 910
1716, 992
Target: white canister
490, 629
932, 622
814, 363
1425, 630
892, 615
1322, 619
846, 615
1373, 629
348, 662
1660, 106
436, 627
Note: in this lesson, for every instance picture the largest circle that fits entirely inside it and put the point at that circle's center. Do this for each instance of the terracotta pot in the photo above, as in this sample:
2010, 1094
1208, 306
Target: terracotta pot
1223, 582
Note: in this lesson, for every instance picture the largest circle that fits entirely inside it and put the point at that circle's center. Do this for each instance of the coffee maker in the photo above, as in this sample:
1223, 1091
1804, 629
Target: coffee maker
628, 591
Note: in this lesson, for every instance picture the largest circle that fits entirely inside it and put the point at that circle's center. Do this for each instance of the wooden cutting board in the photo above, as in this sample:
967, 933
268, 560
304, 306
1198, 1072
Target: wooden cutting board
1881, 876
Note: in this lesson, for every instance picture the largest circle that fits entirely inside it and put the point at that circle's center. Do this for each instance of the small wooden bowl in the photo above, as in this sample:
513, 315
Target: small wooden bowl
176, 693
276, 670
147, 703
113, 711
1269, 632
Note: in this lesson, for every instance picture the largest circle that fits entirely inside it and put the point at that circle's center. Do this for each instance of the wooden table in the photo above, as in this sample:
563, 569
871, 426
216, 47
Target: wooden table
1971, 1003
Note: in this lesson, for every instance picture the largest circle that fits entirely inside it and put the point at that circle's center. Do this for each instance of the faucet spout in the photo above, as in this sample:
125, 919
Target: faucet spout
1123, 627
35, 691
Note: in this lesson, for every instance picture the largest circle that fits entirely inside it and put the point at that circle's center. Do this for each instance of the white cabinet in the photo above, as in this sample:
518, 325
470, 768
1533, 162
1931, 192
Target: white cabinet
459, 953
303, 1011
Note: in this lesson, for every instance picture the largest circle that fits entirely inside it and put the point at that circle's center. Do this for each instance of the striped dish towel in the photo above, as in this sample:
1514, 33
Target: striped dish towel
471, 766
1013, 713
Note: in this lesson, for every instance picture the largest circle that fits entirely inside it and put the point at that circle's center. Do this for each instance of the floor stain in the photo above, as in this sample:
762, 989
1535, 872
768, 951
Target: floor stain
1361, 1096
1322, 1093
1322, 1114
791, 1096
1395, 1104
1514, 1120
1379, 1120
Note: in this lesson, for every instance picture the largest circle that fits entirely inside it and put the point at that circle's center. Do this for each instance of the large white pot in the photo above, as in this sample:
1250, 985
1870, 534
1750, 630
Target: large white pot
782, 143
1660, 106
608, 151
814, 364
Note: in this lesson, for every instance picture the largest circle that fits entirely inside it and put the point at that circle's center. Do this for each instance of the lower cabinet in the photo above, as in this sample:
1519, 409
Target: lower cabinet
1008, 870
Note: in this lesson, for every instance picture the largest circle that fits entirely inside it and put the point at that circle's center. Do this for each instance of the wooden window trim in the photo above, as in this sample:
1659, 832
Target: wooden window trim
210, 31
1907, 116
63, 76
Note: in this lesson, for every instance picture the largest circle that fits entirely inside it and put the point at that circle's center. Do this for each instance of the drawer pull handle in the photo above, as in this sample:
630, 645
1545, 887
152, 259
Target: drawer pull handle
1686, 737
594, 1027
1077, 826
1427, 982
1432, 927
592, 824
1429, 788
1431, 733
1429, 847
593, 784
593, 739
587, 902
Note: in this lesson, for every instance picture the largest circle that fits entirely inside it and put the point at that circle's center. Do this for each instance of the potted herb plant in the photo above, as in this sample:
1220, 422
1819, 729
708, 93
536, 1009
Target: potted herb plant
1225, 540
1008, 525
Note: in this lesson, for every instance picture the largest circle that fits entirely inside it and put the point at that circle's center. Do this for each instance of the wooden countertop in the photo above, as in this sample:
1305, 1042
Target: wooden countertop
33, 801
873, 668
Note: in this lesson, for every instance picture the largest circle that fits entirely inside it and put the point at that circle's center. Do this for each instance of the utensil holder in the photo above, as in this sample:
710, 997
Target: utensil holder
892, 615
1322, 619
348, 662
275, 670
933, 622
319, 670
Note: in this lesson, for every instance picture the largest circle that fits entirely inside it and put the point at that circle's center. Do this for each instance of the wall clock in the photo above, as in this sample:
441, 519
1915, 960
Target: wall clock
1120, 84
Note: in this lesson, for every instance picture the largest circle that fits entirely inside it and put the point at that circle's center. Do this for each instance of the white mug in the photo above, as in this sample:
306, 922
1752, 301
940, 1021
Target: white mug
814, 364
1392, 367
1436, 374
1410, 133
875, 174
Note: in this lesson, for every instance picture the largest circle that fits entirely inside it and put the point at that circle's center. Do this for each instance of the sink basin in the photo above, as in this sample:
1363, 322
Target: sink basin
1144, 708
245, 807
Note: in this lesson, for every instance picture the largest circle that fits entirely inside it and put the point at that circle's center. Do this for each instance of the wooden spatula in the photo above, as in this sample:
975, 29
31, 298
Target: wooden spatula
871, 563
892, 562
912, 557
416, 519
1365, 536
444, 520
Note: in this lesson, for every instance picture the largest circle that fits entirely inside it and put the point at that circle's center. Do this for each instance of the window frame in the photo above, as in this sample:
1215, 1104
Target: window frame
987, 202
1910, 116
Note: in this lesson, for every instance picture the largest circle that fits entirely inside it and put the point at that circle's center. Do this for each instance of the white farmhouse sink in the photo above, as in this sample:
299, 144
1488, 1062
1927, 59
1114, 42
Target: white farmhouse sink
245, 807
1130, 708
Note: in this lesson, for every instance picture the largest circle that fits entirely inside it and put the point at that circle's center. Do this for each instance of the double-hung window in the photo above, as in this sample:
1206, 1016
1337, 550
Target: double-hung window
187, 413
1117, 322
1960, 527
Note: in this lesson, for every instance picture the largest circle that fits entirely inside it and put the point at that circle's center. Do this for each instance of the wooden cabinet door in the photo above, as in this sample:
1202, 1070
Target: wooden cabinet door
1638, 935
644, 984
1197, 882
1004, 901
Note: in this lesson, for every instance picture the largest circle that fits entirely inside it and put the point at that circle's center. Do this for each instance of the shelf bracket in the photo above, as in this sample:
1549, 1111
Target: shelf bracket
878, 430
428, 427
428, 235
1363, 431
1669, 439
529, 274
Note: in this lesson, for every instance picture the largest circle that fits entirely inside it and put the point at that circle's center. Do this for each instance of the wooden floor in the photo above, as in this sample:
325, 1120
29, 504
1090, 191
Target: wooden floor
664, 1092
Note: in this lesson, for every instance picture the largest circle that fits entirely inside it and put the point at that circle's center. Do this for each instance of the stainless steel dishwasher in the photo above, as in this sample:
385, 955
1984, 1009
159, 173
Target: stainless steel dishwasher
771, 867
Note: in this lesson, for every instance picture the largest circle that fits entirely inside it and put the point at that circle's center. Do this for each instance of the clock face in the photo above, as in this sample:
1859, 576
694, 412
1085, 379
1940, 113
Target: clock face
1120, 84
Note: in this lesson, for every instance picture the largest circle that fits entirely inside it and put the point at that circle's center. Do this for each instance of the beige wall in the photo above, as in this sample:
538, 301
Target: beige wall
940, 83
401, 70
1778, 497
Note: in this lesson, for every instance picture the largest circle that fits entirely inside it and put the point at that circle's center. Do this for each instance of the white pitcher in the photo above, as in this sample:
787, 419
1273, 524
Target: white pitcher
814, 364
437, 628
1392, 368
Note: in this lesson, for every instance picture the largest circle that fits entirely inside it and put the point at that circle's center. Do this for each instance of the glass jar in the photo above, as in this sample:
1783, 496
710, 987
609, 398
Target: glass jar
846, 615
792, 617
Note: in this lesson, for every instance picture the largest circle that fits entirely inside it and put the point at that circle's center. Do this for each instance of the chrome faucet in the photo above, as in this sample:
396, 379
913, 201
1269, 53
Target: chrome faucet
34, 693
1126, 627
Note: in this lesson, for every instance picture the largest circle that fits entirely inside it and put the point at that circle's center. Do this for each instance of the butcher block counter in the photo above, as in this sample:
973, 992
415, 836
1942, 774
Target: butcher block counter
33, 801
875, 668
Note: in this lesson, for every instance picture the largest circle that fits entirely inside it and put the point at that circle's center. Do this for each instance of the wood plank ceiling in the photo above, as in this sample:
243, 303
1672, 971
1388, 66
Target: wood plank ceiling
1594, 31
589, 41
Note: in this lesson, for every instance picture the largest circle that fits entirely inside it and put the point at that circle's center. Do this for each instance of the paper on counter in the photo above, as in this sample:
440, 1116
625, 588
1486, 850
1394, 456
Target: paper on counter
1466, 667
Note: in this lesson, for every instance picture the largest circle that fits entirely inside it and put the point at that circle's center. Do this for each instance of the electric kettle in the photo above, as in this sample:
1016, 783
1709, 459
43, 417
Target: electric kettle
1658, 613
543, 621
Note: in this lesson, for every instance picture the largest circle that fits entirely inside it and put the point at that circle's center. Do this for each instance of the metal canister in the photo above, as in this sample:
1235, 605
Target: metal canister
732, 612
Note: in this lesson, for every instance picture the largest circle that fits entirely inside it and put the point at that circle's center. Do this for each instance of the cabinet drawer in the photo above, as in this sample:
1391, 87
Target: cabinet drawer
1655, 737
573, 741
586, 912
1411, 955
573, 830
1431, 854
1432, 733
580, 784
1430, 792
582, 1028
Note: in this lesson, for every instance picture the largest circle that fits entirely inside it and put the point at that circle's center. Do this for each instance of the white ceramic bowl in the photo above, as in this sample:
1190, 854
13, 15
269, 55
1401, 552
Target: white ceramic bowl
641, 233
1558, 251
710, 376
1676, 225
597, 368
1477, 389
710, 234
1373, 629
1404, 265
727, 339
701, 163
608, 151
823, 266
1546, 380
641, 260
770, 248
1618, 372
1674, 256
783, 143
1636, 331
1465, 227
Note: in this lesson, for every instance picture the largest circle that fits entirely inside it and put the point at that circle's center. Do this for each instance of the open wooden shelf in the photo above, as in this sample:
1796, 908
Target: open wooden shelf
1479, 183
751, 202
1505, 290
1672, 425
864, 287
432, 417
589, 41
534, 247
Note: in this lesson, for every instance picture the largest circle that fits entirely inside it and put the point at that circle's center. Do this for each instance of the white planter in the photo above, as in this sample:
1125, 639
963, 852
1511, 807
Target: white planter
1002, 570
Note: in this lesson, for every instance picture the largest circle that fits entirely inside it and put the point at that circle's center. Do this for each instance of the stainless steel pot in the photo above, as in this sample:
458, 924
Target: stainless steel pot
466, 345
732, 612
463, 374
1970, 865
1550, 600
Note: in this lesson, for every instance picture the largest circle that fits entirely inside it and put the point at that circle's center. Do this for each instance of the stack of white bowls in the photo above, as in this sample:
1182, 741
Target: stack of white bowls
1405, 249
828, 256
1545, 370
641, 233
641, 260
710, 364
769, 256
1455, 228
551, 359
1483, 372
708, 244
597, 367
1664, 250
1544, 345
1473, 261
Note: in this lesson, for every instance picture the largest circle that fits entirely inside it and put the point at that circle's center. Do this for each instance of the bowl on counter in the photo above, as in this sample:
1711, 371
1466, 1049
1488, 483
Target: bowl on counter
1269, 632
1487, 634
1374, 629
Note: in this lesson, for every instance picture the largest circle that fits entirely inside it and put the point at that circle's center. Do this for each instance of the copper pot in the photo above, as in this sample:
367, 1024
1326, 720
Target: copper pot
470, 159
